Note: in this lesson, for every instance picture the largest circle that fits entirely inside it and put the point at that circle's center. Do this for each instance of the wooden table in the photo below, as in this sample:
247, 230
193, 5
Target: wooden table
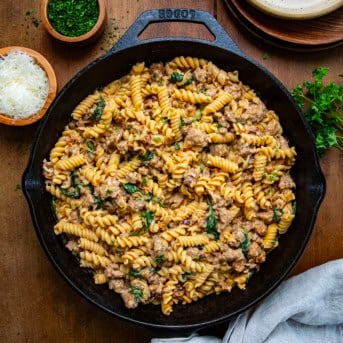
36, 304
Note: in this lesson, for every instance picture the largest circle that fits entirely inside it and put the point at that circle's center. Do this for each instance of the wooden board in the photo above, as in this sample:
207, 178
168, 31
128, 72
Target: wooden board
36, 304
323, 32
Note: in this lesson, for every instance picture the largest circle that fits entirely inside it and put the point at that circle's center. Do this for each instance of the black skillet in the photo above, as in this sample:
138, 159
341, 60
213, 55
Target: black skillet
116, 63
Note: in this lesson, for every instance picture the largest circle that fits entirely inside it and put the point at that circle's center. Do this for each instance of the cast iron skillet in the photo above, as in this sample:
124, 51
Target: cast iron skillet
116, 63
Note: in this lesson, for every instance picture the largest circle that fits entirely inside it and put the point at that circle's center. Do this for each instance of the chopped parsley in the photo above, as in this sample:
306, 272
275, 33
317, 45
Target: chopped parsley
109, 191
165, 121
211, 225
157, 139
182, 122
177, 146
99, 109
197, 116
137, 293
145, 181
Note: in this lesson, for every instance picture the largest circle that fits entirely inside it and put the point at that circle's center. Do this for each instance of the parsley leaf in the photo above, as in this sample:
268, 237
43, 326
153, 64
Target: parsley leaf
322, 105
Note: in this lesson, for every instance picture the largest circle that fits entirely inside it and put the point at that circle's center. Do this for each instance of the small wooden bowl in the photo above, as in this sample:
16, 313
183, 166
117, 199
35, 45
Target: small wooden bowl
82, 40
45, 65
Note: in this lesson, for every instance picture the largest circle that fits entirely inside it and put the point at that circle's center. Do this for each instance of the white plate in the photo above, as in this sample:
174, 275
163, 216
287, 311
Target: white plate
296, 9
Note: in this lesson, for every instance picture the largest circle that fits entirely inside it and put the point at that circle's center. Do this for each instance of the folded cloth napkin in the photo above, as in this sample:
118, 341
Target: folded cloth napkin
307, 308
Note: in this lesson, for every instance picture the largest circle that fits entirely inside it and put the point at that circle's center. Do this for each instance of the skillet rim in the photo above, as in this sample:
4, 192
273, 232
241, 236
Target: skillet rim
28, 183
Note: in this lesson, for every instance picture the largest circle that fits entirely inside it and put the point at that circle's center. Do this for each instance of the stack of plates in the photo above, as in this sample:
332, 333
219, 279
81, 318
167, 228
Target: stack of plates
276, 26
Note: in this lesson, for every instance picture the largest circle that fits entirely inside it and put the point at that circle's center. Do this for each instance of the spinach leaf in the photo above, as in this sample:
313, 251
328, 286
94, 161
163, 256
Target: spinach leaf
149, 217
90, 148
147, 156
159, 259
246, 243
176, 77
97, 113
131, 188
134, 273
152, 198
294, 207
277, 213
211, 225
137, 292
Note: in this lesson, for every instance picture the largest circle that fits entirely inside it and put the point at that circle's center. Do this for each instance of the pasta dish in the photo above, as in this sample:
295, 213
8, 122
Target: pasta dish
172, 183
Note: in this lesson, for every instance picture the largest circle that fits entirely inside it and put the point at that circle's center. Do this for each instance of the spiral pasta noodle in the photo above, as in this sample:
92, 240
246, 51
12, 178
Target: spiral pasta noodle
172, 183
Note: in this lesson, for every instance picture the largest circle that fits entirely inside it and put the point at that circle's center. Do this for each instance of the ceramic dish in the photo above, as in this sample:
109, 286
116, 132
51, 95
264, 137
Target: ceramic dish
223, 52
45, 65
295, 9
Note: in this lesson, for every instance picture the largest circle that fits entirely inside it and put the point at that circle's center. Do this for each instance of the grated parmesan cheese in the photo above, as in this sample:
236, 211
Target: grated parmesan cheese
24, 85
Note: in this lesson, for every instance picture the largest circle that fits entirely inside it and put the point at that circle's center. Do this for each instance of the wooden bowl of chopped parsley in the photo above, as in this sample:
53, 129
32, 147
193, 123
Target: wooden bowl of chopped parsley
78, 22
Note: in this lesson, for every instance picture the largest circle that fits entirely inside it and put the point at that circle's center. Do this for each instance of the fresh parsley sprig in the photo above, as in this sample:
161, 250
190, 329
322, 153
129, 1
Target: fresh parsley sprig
323, 109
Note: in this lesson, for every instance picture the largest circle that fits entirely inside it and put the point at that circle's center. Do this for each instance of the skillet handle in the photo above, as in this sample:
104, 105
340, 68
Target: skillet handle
222, 39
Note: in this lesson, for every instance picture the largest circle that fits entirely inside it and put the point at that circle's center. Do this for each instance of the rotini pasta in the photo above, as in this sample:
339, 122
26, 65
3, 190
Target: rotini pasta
172, 183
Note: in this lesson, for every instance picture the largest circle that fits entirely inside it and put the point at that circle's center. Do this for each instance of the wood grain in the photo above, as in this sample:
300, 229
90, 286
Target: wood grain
36, 304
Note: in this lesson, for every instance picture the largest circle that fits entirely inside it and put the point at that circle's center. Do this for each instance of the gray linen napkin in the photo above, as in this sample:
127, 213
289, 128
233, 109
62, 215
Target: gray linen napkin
307, 308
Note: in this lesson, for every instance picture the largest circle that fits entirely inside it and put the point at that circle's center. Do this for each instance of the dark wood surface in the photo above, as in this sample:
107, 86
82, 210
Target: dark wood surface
36, 304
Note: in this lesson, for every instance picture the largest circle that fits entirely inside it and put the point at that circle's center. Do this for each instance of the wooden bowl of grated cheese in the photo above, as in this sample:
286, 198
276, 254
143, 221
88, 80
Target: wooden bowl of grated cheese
27, 86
